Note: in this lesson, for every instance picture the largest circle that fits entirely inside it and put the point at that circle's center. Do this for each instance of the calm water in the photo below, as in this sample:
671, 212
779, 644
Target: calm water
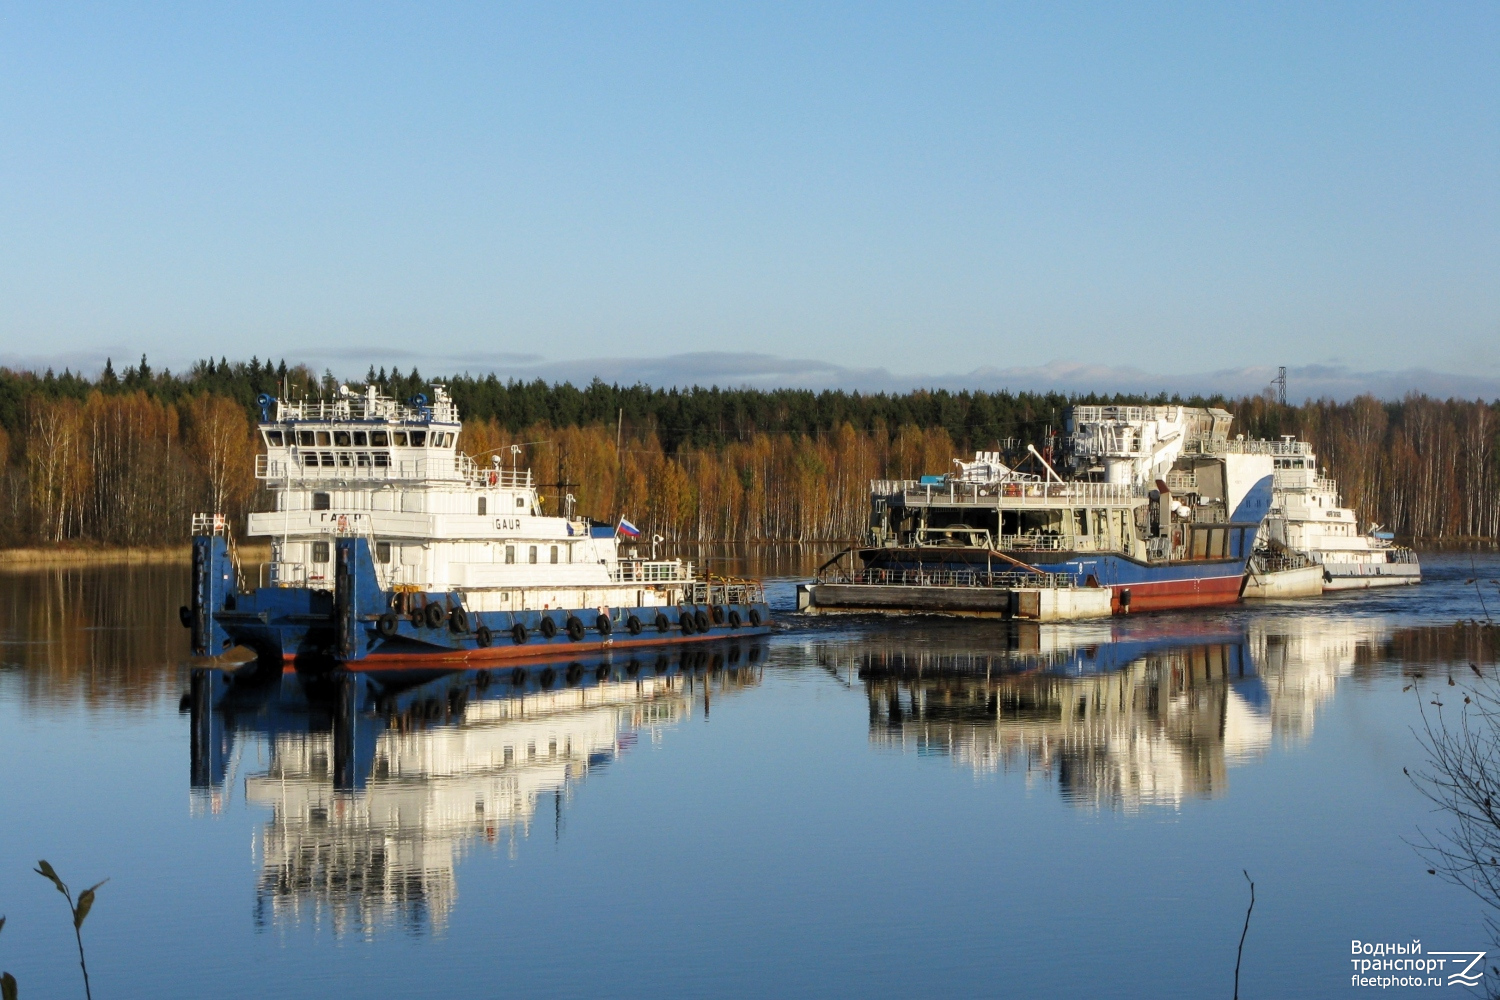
852, 807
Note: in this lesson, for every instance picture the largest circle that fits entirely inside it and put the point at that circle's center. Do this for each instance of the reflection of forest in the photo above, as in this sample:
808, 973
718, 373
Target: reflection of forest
450, 765
1129, 719
105, 635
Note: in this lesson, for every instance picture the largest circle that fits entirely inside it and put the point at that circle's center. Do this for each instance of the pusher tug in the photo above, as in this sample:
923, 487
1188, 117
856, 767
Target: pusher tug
390, 549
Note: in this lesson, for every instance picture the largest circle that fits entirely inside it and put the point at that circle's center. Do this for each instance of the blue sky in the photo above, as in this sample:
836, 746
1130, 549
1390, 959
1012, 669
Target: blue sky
921, 190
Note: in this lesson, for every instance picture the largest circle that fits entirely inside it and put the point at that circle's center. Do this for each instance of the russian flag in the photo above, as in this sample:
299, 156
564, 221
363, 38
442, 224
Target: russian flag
628, 530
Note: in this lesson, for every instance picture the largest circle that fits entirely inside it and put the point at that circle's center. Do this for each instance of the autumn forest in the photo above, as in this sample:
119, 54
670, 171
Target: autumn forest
125, 458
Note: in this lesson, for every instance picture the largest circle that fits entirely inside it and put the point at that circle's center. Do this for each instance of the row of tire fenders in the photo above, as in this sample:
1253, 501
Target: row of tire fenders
434, 615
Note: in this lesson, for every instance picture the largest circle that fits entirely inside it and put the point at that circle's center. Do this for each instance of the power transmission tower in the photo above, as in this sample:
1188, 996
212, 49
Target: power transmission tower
1279, 384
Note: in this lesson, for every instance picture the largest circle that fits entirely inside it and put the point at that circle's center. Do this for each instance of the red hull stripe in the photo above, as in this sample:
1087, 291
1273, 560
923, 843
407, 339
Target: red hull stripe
1171, 594
511, 653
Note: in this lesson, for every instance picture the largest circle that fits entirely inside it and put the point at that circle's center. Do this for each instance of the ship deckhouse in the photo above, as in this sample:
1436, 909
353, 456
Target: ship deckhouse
368, 466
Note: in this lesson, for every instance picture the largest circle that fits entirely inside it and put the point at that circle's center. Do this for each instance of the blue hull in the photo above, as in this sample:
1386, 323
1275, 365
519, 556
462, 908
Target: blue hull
354, 624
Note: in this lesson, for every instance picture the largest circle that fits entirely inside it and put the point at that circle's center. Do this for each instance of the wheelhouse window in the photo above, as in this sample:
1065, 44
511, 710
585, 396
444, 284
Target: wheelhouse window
531, 555
510, 554
320, 501
324, 438
341, 438
383, 552
400, 438
305, 439
554, 554
273, 439
380, 439
320, 552
483, 506
418, 438
361, 439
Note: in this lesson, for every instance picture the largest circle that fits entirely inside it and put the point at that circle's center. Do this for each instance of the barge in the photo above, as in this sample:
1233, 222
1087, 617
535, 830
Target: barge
390, 548
1083, 546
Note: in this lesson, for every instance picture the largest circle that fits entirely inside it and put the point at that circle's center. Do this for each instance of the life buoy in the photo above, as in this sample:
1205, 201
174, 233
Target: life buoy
604, 625
433, 614
575, 628
518, 634
734, 619
755, 618
633, 625
663, 623
343, 522
387, 625
458, 621
700, 619
548, 627
483, 636
493, 477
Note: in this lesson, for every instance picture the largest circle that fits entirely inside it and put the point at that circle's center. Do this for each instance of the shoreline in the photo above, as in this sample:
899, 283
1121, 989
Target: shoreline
42, 557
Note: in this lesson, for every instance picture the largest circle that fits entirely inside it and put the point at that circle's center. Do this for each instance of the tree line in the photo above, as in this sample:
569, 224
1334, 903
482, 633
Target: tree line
126, 457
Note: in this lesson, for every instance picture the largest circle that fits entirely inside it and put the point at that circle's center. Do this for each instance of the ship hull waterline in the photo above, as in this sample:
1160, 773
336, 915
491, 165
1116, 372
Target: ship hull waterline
1134, 586
353, 627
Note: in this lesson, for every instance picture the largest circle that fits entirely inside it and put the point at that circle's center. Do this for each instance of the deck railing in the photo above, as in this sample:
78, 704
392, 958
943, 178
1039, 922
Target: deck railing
645, 571
357, 466
927, 577
912, 493
725, 591
1206, 446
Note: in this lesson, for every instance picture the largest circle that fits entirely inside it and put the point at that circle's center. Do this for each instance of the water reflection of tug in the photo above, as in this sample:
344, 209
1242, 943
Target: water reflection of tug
1120, 718
377, 786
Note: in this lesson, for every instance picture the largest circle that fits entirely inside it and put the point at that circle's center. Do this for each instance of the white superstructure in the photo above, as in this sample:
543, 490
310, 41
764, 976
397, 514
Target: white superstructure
436, 520
1306, 523
1307, 519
